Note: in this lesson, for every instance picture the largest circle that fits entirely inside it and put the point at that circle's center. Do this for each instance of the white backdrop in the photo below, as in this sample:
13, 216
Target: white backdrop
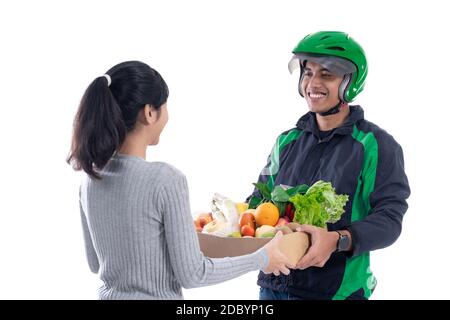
230, 96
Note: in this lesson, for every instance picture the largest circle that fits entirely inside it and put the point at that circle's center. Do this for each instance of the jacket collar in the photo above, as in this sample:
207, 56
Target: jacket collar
308, 122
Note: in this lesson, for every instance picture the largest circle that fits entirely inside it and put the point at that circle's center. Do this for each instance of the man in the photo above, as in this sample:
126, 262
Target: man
333, 142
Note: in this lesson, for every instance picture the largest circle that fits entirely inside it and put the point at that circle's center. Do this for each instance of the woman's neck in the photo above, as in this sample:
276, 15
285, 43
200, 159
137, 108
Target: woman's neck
133, 146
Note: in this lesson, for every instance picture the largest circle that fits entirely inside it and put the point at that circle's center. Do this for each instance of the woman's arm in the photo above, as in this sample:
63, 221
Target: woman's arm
90, 251
191, 268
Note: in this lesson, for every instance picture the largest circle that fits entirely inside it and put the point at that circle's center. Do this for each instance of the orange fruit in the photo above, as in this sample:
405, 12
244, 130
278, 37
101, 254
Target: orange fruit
267, 214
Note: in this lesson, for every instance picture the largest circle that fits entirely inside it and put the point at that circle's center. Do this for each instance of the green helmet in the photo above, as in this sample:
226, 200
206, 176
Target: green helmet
340, 48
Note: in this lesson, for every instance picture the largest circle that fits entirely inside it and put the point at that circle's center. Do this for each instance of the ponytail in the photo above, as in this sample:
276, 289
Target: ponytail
98, 129
109, 110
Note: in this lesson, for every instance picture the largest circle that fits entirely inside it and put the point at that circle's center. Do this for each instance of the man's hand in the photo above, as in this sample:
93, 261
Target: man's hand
323, 244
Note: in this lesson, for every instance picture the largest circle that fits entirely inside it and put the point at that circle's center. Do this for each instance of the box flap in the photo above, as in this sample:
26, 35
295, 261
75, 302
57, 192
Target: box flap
219, 247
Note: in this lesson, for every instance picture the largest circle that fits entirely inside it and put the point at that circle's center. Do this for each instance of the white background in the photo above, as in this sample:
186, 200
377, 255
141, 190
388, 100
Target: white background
230, 96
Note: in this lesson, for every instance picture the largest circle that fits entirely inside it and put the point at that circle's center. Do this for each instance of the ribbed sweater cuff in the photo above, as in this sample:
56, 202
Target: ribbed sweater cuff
262, 258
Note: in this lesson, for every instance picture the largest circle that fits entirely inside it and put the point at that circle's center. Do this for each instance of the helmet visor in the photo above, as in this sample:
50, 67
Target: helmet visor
335, 65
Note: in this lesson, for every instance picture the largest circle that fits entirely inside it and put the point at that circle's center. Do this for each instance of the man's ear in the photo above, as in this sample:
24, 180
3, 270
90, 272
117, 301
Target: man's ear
148, 115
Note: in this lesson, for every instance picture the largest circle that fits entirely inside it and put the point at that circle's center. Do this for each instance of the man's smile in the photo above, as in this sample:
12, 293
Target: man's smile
316, 95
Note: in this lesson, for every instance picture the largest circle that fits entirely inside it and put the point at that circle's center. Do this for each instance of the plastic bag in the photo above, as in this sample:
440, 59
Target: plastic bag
225, 215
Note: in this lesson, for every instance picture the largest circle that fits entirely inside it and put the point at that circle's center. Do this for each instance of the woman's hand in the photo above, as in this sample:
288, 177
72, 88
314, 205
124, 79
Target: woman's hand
323, 244
278, 262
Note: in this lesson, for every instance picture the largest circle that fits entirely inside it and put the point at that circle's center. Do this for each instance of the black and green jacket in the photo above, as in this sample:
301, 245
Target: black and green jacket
360, 160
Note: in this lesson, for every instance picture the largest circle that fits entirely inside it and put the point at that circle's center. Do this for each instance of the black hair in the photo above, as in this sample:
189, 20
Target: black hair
107, 113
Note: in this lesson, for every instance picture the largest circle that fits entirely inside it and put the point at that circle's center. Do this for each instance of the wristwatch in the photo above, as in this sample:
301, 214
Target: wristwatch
343, 242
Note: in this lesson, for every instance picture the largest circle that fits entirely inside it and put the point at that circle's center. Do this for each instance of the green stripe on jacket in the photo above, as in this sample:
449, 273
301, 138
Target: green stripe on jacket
357, 270
282, 141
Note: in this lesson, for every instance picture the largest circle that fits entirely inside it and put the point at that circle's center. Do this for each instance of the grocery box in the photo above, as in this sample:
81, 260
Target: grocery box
293, 245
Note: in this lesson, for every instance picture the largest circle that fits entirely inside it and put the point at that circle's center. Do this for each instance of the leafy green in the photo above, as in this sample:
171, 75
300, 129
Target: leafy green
298, 189
281, 207
254, 202
263, 189
319, 205
279, 194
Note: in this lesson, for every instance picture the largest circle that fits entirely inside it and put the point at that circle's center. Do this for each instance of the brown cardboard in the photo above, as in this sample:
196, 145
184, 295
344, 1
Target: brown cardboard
219, 247
293, 245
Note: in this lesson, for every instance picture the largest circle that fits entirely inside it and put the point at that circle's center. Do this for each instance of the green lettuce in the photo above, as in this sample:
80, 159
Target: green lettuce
319, 205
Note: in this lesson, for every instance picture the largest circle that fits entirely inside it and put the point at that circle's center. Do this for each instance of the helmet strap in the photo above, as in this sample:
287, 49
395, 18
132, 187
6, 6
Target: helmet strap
333, 110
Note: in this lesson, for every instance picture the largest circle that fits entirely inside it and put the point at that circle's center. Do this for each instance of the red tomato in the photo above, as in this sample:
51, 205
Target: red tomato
246, 218
247, 230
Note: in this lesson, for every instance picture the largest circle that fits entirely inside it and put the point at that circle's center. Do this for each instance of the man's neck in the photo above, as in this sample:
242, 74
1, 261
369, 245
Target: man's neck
333, 121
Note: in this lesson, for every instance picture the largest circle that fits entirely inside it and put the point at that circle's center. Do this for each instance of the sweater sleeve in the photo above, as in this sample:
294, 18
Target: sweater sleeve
383, 225
189, 265
89, 247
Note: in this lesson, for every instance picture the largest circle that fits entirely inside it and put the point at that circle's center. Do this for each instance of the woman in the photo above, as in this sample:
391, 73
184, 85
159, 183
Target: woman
135, 214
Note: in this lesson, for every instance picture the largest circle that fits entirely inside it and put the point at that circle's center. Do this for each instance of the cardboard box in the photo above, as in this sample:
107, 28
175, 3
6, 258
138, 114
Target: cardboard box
293, 245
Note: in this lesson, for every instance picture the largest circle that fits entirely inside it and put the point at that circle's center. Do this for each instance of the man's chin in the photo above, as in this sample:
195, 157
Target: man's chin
318, 108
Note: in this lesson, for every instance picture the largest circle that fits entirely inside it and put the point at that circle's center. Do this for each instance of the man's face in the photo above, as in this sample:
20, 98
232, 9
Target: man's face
320, 87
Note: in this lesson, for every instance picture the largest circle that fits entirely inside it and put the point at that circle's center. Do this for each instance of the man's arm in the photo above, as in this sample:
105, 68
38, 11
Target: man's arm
388, 204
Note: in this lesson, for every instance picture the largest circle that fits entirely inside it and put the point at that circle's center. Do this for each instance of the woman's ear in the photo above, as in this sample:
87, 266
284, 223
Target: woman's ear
148, 115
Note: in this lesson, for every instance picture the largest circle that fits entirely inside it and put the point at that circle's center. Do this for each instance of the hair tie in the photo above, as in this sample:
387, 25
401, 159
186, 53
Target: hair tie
107, 76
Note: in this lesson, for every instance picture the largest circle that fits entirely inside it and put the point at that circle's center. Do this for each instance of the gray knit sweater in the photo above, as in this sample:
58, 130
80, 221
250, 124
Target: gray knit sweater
139, 234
